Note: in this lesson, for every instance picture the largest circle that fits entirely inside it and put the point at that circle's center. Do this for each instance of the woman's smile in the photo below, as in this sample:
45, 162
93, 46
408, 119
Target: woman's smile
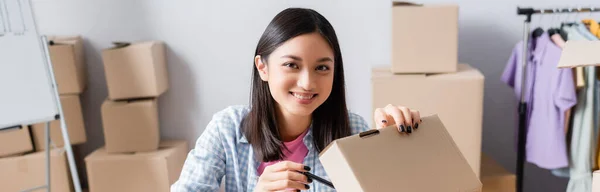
304, 98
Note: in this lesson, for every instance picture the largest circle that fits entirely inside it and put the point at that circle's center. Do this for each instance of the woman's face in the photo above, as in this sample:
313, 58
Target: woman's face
299, 73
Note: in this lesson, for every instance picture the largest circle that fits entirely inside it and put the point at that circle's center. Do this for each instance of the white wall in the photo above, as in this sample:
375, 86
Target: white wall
212, 42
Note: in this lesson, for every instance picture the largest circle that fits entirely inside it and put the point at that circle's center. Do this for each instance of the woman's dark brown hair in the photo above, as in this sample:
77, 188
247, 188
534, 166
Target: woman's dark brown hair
329, 121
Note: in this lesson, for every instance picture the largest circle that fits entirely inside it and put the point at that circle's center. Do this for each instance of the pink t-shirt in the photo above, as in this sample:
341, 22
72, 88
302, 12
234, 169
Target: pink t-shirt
297, 154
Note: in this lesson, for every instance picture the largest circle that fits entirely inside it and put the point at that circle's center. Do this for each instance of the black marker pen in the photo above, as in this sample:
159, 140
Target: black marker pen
319, 179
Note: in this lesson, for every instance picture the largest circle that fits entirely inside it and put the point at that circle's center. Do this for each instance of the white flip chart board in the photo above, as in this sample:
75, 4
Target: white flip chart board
26, 92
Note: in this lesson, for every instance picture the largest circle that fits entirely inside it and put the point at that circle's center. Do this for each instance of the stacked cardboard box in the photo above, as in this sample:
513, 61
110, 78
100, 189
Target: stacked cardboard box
73, 115
23, 164
24, 172
136, 75
15, 141
134, 158
496, 178
140, 171
425, 74
68, 61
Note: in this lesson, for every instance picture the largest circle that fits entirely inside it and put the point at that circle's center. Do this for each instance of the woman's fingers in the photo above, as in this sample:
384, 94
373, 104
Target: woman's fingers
284, 175
382, 119
407, 118
416, 116
285, 184
289, 175
285, 166
397, 116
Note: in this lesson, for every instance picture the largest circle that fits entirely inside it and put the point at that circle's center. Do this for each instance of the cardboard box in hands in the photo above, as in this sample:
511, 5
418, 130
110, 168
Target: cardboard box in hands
387, 160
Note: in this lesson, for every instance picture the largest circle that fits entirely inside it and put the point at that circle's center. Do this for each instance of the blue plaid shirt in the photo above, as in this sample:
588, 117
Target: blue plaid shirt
222, 150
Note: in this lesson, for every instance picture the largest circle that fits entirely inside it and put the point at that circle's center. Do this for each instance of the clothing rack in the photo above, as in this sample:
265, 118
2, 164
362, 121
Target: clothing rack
522, 139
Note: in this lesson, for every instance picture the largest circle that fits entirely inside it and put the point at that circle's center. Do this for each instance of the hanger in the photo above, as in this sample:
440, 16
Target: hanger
592, 9
538, 31
563, 34
565, 23
559, 30
554, 30
555, 33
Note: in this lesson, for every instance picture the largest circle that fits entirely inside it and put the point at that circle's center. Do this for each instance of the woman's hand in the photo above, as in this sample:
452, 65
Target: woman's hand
283, 176
404, 118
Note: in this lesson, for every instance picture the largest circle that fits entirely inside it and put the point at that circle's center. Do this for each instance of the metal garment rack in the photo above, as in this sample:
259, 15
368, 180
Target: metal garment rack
522, 139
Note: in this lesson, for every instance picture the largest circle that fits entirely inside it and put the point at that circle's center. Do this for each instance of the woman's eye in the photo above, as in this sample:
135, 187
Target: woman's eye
291, 65
323, 68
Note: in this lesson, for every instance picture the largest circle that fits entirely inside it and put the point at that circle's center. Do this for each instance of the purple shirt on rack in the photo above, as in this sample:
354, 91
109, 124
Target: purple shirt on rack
550, 92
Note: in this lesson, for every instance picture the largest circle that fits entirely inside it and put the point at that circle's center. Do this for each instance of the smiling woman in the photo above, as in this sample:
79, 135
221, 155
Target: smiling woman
322, 67
303, 69
300, 77
298, 107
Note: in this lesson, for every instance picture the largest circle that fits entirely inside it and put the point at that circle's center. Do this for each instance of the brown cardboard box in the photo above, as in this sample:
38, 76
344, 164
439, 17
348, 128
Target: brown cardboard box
29, 171
387, 160
495, 178
596, 181
456, 97
428, 44
138, 70
15, 141
71, 105
130, 126
143, 171
68, 61
580, 53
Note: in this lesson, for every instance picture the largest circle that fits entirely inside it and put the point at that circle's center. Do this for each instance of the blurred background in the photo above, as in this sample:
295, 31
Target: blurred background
210, 46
